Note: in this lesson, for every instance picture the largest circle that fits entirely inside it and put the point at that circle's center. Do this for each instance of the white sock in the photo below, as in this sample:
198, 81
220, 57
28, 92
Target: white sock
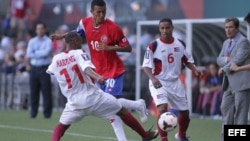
130, 104
117, 125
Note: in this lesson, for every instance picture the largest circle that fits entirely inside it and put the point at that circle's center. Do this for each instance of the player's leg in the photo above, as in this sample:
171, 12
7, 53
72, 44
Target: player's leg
67, 118
109, 105
116, 123
111, 87
59, 131
160, 100
138, 105
131, 121
178, 100
114, 86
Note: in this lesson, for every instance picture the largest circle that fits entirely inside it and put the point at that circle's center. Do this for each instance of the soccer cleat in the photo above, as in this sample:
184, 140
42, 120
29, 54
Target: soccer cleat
178, 138
143, 113
151, 135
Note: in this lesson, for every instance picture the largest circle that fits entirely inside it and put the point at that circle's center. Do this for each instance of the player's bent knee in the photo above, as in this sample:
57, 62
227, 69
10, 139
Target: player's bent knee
123, 111
162, 108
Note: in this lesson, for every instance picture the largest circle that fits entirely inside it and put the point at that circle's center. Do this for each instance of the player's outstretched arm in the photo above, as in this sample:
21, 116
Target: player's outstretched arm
105, 47
57, 36
91, 73
155, 81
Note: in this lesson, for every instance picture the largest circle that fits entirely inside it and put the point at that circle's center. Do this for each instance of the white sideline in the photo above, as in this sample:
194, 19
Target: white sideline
50, 131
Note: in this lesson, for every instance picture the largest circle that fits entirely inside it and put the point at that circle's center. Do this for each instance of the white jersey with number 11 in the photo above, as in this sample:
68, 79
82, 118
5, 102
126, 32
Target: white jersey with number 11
76, 86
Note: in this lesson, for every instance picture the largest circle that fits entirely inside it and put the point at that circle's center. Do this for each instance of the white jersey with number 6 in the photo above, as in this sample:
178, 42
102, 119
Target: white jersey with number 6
166, 59
68, 68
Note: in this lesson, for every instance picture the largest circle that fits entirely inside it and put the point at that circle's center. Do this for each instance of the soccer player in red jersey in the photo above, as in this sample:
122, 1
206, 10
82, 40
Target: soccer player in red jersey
104, 39
75, 75
162, 63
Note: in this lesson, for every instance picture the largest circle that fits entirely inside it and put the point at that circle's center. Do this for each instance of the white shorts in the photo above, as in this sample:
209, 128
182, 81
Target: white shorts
172, 93
106, 107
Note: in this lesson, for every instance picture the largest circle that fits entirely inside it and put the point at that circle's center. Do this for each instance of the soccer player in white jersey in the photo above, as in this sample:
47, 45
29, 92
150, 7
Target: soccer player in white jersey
76, 77
162, 63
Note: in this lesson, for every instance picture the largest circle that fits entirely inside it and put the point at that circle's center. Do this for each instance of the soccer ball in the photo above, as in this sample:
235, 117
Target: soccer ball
167, 121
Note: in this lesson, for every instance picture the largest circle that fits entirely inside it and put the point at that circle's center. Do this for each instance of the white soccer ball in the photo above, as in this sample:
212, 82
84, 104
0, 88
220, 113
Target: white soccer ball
168, 121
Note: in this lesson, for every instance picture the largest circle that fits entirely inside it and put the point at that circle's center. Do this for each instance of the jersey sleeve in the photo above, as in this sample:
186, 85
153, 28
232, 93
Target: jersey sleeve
80, 29
119, 37
187, 57
148, 60
51, 67
83, 60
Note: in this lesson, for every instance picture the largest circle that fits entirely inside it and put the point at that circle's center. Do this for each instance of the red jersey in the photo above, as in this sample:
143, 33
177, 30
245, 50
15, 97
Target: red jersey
107, 63
18, 8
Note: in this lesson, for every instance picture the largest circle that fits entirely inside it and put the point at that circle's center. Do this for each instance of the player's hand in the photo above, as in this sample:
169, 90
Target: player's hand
198, 73
234, 67
102, 46
156, 83
56, 36
101, 81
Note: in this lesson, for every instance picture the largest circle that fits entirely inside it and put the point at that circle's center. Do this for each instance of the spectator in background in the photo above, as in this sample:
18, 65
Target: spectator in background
236, 86
39, 53
20, 49
6, 42
146, 38
18, 11
22, 77
209, 99
129, 58
8, 76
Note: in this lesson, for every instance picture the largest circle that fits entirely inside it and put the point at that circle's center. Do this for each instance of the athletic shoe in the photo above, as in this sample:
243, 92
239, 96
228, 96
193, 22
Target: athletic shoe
178, 138
151, 135
143, 113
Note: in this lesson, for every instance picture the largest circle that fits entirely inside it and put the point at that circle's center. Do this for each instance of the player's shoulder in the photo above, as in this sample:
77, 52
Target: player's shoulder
111, 23
153, 45
181, 42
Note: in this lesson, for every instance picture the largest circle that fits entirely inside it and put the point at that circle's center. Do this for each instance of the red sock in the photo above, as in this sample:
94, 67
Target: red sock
183, 121
59, 131
163, 134
129, 120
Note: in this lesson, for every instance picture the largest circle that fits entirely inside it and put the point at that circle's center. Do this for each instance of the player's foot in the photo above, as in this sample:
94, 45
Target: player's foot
178, 138
143, 113
151, 135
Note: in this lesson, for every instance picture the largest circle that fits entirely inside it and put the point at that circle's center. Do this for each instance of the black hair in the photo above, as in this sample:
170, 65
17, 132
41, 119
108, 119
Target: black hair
71, 35
247, 18
234, 20
42, 23
97, 3
166, 20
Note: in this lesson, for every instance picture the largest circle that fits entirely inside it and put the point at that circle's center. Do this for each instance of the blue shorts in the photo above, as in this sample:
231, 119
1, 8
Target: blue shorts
113, 86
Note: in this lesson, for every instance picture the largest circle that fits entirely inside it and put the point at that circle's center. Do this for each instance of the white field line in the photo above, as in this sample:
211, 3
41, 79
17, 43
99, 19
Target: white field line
50, 131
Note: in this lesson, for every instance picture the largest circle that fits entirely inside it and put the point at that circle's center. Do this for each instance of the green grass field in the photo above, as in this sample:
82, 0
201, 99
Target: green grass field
16, 125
